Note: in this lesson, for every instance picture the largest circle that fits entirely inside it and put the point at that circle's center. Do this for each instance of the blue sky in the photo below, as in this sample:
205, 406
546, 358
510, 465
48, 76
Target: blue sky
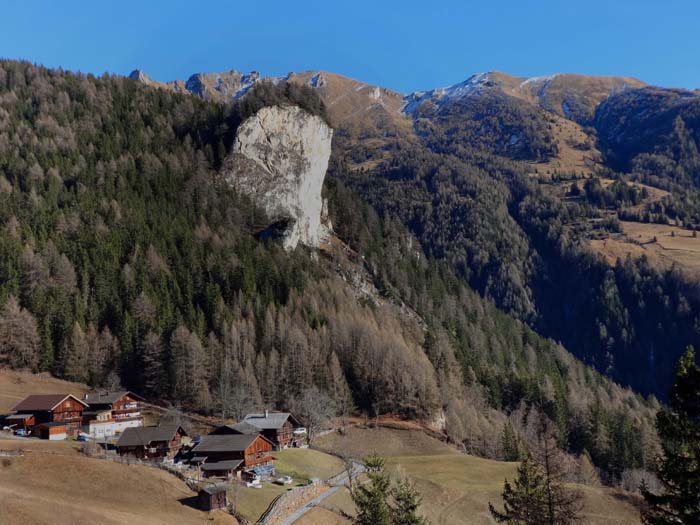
406, 45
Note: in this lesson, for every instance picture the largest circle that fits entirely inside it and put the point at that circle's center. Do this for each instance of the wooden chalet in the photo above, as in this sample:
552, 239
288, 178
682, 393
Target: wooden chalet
212, 498
163, 441
224, 455
278, 427
54, 408
110, 413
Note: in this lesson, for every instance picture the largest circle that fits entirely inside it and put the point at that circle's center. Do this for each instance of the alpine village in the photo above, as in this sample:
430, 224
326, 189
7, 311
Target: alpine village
332, 292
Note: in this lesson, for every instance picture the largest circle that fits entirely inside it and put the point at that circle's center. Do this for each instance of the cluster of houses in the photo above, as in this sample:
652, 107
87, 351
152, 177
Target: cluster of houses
58, 416
242, 450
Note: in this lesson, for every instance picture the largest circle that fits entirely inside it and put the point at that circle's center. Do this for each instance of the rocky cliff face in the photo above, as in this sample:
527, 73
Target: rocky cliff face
279, 159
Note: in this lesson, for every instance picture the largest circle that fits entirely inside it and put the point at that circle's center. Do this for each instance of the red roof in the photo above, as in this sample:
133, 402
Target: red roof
43, 402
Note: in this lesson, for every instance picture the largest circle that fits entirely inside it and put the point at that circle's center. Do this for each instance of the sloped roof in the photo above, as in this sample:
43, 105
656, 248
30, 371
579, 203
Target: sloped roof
222, 465
144, 436
224, 443
38, 402
238, 428
269, 421
214, 489
19, 416
107, 398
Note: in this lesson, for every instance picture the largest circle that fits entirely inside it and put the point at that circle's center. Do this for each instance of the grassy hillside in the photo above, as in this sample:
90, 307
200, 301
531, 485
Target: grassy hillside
54, 484
455, 487
15, 385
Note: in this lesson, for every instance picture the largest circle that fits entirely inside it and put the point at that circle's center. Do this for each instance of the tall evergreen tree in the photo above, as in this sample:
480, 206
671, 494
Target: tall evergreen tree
510, 443
370, 499
406, 501
525, 501
679, 467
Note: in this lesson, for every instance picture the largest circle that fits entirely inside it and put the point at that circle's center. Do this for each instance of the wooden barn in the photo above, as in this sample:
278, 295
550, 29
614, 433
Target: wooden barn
225, 455
277, 427
163, 441
54, 408
212, 498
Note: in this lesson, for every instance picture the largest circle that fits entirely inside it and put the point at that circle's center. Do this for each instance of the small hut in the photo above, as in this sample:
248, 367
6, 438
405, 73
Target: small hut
213, 497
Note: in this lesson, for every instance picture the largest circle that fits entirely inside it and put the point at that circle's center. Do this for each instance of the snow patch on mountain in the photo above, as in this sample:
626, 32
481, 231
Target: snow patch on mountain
473, 85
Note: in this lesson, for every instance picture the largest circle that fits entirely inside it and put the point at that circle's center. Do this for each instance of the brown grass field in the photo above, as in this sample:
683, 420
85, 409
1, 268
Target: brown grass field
15, 386
53, 483
637, 239
456, 488
571, 158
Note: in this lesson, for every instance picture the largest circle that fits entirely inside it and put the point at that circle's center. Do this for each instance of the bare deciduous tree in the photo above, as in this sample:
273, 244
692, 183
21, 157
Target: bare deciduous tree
315, 408
19, 340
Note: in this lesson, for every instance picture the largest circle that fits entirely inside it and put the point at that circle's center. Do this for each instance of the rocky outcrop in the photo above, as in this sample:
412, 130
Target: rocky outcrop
279, 159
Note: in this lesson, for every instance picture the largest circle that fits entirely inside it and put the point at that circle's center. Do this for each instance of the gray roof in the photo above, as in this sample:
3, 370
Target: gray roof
107, 398
222, 465
19, 416
144, 436
214, 489
224, 443
269, 421
238, 428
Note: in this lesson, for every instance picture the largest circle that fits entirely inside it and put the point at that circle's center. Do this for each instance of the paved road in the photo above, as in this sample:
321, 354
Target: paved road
337, 483
289, 520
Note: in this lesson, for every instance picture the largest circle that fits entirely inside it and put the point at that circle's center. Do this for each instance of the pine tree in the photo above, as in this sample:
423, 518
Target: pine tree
679, 467
370, 499
404, 510
510, 443
525, 501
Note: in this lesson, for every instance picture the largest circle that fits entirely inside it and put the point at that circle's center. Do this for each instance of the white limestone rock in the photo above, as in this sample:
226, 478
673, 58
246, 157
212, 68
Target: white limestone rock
279, 159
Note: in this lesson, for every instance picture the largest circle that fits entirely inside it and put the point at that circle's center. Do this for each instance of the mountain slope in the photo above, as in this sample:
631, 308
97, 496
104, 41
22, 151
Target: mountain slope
133, 259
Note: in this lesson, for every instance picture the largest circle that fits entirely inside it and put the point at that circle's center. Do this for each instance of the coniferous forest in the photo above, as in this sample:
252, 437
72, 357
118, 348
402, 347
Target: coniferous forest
126, 259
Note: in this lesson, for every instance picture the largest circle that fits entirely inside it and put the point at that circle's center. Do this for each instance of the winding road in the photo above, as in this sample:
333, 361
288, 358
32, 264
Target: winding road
337, 483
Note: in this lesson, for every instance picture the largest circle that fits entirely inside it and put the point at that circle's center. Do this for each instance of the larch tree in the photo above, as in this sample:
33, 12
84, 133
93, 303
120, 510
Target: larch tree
19, 339
189, 368
563, 505
152, 373
75, 355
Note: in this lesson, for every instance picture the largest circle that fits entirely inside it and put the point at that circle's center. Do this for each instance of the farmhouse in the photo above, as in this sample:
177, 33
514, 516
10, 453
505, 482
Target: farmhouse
54, 408
224, 455
110, 413
163, 441
277, 427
